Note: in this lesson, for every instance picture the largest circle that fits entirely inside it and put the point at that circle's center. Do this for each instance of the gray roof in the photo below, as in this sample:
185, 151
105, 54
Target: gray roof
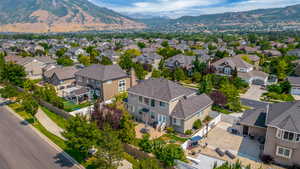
62, 72
102, 72
182, 60
233, 62
24, 60
161, 89
186, 107
294, 80
285, 116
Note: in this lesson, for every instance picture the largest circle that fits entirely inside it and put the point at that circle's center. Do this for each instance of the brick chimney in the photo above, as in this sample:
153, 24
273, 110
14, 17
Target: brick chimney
133, 79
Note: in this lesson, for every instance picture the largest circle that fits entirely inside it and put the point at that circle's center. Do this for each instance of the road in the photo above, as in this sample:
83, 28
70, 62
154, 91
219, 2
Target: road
23, 148
253, 103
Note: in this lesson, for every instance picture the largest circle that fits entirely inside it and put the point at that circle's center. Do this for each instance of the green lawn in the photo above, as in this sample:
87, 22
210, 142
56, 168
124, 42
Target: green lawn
70, 106
60, 121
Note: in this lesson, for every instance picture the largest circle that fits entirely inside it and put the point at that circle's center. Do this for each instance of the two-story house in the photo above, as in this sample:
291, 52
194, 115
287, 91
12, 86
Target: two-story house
161, 102
279, 124
245, 70
105, 81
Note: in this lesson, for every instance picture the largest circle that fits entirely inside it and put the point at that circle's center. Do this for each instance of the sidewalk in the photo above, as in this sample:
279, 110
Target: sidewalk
49, 124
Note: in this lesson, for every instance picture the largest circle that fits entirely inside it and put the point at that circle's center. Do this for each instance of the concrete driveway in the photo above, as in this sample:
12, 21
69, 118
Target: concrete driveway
253, 93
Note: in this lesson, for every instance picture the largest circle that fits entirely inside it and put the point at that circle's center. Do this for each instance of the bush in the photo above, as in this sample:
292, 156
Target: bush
188, 132
295, 166
197, 124
267, 159
170, 130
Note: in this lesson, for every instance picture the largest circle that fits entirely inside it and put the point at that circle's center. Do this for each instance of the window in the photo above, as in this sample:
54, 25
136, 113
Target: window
122, 86
140, 99
288, 136
283, 152
298, 138
152, 103
162, 104
146, 101
279, 133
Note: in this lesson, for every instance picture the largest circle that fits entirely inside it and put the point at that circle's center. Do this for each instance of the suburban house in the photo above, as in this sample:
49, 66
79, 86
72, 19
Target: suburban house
295, 83
228, 65
61, 77
161, 103
279, 125
180, 60
149, 58
105, 81
295, 52
33, 65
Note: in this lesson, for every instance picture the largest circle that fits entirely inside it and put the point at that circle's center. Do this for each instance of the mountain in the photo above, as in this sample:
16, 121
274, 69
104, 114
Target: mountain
261, 19
41, 16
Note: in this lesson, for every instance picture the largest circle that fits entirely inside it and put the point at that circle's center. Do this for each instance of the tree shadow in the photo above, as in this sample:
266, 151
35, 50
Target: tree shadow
62, 160
27, 121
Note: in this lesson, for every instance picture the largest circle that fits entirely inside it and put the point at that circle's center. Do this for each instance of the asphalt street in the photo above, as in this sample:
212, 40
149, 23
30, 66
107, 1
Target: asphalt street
23, 148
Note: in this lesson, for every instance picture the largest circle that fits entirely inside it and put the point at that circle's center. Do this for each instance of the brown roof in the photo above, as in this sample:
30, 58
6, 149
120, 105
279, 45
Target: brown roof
102, 72
62, 72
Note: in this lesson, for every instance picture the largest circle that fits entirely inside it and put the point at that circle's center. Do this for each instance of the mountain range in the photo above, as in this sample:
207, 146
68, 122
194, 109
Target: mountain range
41, 16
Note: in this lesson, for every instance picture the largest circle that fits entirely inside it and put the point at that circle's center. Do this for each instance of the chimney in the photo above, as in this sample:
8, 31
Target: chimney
133, 79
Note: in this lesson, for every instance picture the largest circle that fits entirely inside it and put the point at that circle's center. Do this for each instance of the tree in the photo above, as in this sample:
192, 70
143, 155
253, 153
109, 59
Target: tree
110, 150
197, 124
148, 163
65, 61
156, 73
205, 85
106, 61
132, 53
127, 132
139, 71
219, 98
61, 52
9, 91
165, 44
232, 95
145, 143
170, 153
196, 77
2, 64
126, 62
30, 105
14, 73
28, 85
81, 135
178, 74
281, 68
199, 66
141, 45
85, 60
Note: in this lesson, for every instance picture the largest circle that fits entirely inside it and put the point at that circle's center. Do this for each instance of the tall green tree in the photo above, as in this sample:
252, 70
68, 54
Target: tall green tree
127, 131
14, 73
281, 68
178, 74
206, 85
106, 61
30, 105
126, 62
81, 135
232, 95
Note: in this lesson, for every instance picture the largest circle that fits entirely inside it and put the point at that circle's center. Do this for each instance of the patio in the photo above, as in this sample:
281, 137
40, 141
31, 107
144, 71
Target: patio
150, 130
245, 149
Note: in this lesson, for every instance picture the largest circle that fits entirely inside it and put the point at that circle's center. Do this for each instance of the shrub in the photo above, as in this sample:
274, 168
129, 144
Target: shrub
197, 124
295, 166
170, 130
188, 132
267, 159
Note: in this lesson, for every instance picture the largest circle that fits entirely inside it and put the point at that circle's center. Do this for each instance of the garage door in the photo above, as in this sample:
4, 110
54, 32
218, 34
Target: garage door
295, 91
258, 82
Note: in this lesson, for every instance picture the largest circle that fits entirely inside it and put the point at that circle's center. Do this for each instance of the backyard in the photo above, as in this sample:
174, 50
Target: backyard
70, 106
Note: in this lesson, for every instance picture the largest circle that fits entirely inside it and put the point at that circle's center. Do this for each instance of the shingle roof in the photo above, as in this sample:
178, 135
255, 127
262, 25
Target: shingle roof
294, 80
24, 60
285, 116
62, 72
183, 60
233, 62
191, 105
161, 89
102, 72
254, 117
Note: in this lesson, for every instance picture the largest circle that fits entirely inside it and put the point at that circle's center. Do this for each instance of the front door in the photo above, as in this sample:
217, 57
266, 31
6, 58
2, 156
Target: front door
245, 130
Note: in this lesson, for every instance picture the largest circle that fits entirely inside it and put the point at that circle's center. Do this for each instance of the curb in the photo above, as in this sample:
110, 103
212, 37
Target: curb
46, 139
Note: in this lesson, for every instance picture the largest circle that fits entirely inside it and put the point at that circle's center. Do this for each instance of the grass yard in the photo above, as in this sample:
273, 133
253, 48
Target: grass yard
60, 121
172, 138
69, 106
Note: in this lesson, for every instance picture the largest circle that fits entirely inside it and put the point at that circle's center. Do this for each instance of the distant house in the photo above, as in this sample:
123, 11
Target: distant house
295, 83
272, 53
149, 58
279, 125
162, 103
181, 61
33, 65
61, 77
103, 81
245, 70
295, 52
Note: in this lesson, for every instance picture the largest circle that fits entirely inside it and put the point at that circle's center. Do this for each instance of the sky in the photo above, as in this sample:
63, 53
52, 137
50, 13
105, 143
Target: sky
177, 8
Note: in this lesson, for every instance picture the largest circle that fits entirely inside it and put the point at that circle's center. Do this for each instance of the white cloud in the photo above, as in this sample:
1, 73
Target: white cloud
177, 8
